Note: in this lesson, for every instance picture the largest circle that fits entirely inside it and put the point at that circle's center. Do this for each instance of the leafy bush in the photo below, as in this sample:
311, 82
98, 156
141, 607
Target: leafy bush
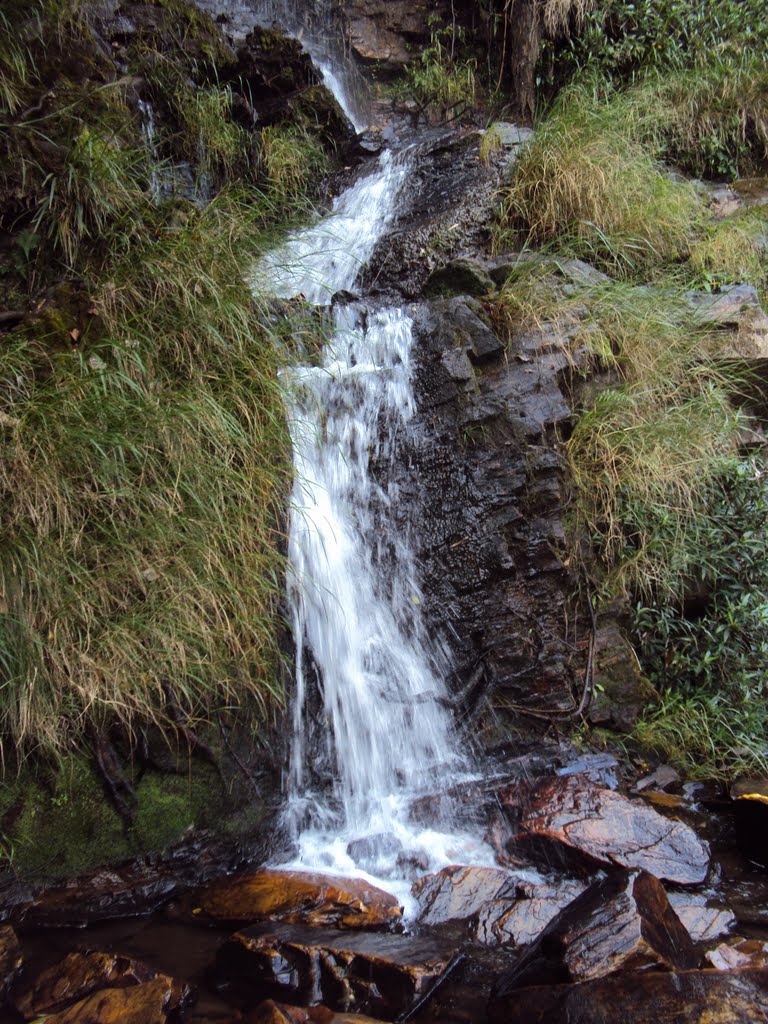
443, 85
620, 38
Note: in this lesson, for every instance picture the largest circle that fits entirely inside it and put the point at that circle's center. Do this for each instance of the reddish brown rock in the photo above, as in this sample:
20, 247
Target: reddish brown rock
11, 958
148, 1003
623, 922
295, 897
369, 972
738, 952
642, 997
79, 975
577, 820
270, 1012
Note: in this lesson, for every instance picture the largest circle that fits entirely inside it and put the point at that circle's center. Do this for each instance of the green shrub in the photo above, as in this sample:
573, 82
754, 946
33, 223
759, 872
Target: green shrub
291, 159
142, 478
621, 38
443, 84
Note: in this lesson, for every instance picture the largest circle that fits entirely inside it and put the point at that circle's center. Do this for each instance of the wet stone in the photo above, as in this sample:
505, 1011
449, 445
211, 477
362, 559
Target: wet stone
575, 819
148, 1003
297, 897
702, 922
462, 276
622, 922
520, 917
373, 852
380, 975
79, 975
457, 893
642, 997
270, 1012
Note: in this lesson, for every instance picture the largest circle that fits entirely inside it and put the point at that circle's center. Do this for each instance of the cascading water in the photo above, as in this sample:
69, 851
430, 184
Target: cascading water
384, 732
317, 25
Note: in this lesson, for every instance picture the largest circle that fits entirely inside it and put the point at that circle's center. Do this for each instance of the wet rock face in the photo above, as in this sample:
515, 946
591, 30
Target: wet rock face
298, 897
141, 1004
641, 997
580, 821
505, 909
623, 922
487, 487
701, 921
376, 974
388, 32
457, 893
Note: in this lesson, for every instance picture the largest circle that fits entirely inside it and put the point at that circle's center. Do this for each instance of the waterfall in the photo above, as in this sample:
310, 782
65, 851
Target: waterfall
317, 24
383, 734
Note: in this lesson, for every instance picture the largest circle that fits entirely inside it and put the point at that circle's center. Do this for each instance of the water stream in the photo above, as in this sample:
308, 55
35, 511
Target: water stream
385, 731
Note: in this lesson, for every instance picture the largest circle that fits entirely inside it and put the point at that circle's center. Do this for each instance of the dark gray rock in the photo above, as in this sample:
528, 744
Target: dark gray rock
462, 276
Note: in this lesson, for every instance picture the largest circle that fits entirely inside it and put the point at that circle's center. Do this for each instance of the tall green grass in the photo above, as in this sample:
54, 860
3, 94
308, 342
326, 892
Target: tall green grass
143, 477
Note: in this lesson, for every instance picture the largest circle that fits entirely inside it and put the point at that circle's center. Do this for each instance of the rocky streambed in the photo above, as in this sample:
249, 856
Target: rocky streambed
600, 896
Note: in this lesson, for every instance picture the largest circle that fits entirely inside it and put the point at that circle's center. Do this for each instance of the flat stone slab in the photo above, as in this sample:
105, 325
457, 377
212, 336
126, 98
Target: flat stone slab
516, 920
457, 893
642, 997
702, 922
502, 908
577, 817
296, 897
373, 973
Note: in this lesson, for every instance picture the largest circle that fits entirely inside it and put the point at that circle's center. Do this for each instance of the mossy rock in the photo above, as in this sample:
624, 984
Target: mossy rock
622, 692
57, 823
462, 276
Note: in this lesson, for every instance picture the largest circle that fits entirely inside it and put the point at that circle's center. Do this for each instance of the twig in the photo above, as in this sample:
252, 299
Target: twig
449, 968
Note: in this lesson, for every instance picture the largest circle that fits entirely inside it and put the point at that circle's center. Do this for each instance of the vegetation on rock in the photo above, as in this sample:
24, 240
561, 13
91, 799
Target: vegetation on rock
664, 488
143, 446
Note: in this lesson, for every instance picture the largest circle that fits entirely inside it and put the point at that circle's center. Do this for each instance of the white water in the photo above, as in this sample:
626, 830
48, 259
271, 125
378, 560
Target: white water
327, 257
384, 732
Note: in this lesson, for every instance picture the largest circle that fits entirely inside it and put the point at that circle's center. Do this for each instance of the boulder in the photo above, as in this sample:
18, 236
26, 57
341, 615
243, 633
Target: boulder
581, 823
270, 1012
622, 922
79, 975
458, 893
372, 973
641, 997
375, 853
148, 1003
622, 692
462, 276
294, 897
520, 917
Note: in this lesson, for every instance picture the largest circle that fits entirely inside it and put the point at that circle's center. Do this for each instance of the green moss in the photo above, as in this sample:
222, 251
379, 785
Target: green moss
63, 825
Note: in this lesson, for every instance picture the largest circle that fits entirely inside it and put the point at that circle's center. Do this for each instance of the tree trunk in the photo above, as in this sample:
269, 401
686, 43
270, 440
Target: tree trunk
525, 40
